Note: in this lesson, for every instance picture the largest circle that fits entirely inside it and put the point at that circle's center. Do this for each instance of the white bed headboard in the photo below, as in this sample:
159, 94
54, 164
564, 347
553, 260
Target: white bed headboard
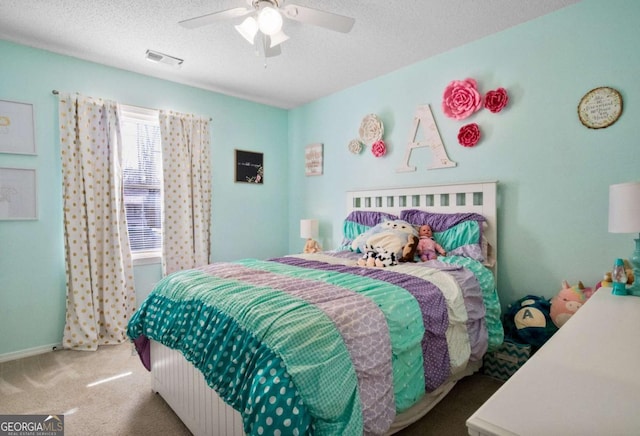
478, 197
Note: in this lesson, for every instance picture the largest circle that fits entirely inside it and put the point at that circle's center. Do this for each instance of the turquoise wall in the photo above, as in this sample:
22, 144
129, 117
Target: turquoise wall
32, 268
553, 172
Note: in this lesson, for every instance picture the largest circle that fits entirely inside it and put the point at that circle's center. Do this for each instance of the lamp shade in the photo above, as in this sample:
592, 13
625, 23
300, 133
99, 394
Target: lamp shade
309, 229
624, 208
248, 29
277, 39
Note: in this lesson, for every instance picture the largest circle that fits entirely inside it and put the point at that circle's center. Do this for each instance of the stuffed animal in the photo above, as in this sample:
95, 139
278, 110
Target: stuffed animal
628, 269
606, 282
527, 321
385, 242
383, 257
312, 246
427, 247
409, 250
566, 303
587, 292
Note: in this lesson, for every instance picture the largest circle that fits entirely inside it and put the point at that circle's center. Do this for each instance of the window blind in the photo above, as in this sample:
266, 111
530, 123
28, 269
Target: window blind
142, 178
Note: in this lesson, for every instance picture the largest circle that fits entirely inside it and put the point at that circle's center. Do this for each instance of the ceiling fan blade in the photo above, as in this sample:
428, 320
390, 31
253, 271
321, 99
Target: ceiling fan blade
203, 20
331, 21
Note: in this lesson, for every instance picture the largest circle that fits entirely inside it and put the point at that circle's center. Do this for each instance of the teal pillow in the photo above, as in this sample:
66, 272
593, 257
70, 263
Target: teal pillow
359, 222
463, 239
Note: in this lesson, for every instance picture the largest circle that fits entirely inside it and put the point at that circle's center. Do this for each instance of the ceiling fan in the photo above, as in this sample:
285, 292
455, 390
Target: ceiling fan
263, 26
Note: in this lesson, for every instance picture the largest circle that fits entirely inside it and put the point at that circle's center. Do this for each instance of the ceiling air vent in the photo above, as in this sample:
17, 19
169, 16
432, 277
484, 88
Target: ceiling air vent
155, 56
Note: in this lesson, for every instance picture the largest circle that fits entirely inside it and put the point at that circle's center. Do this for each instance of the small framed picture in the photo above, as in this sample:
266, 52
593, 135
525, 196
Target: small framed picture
313, 160
16, 128
249, 167
18, 199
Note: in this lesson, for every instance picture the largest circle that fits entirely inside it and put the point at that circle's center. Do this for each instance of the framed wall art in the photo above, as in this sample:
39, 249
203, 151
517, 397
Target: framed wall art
600, 107
313, 160
249, 167
16, 128
18, 199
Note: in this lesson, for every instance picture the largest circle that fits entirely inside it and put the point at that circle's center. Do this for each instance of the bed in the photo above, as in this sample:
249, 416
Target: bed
314, 343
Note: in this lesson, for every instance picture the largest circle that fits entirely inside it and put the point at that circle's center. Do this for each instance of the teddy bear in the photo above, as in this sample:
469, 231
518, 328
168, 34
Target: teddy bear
566, 303
427, 246
312, 246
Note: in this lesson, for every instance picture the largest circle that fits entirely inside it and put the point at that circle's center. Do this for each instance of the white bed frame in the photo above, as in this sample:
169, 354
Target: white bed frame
183, 387
478, 197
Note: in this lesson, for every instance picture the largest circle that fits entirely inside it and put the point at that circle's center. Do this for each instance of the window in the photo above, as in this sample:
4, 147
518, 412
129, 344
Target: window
142, 180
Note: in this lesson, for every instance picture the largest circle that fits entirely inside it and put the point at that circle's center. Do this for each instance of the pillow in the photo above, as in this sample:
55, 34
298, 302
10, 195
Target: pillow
459, 233
438, 221
358, 222
463, 239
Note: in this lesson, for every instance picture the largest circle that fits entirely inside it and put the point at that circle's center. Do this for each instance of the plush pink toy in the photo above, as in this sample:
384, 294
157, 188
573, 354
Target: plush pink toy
566, 303
427, 246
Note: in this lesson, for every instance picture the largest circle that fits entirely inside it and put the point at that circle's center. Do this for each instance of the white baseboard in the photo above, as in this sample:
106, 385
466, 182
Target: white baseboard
29, 352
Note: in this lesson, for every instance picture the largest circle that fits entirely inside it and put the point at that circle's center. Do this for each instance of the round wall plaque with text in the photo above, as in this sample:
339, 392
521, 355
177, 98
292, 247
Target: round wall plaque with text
600, 108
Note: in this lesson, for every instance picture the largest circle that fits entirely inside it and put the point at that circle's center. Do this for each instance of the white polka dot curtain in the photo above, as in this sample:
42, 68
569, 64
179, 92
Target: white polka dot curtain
187, 191
100, 287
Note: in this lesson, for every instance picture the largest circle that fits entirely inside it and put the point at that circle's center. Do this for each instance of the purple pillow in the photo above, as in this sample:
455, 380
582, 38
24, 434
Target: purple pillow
439, 222
370, 218
359, 221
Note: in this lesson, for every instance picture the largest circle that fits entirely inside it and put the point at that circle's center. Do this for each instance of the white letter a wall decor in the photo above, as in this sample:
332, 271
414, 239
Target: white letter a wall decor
432, 139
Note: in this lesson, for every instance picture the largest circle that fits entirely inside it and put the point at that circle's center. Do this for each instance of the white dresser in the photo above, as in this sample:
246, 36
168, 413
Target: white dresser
584, 381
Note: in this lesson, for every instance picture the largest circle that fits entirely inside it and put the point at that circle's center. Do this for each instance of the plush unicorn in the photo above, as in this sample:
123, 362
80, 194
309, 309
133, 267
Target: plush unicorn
566, 303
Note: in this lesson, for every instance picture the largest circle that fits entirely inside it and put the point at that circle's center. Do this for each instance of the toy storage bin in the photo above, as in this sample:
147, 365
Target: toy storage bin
506, 360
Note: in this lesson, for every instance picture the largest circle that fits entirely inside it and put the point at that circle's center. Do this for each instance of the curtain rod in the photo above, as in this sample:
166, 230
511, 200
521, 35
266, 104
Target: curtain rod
56, 92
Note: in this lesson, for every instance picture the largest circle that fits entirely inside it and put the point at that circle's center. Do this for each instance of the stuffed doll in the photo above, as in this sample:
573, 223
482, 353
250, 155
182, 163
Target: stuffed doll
427, 246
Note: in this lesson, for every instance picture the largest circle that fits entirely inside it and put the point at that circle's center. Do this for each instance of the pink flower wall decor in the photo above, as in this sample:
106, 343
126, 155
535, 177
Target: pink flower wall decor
379, 148
496, 100
469, 135
461, 99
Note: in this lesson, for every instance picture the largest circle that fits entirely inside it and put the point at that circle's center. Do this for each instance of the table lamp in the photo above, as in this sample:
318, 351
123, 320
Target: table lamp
624, 217
309, 231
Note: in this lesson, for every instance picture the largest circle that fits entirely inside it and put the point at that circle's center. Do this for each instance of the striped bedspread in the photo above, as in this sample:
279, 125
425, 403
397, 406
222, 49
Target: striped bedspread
314, 344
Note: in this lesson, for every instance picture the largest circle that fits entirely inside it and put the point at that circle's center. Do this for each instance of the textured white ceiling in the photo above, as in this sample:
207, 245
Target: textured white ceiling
315, 62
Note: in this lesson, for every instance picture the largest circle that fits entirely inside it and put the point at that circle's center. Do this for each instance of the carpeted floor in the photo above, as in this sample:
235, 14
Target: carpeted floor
108, 392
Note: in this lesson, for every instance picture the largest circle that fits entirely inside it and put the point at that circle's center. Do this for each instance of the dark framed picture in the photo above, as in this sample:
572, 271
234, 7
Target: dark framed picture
249, 167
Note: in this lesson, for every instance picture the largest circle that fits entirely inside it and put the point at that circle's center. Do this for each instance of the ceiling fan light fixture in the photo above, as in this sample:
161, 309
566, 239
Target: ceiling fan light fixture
269, 21
277, 39
248, 29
